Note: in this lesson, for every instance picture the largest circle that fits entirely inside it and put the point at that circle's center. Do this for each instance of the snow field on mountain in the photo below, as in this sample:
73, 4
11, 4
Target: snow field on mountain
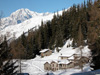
20, 16
10, 26
18, 29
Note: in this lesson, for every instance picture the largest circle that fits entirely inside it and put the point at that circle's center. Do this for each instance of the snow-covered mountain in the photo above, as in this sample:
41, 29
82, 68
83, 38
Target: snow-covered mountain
21, 15
22, 20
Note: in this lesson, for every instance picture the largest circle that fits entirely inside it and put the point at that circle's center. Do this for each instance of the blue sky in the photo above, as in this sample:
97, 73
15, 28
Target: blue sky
9, 6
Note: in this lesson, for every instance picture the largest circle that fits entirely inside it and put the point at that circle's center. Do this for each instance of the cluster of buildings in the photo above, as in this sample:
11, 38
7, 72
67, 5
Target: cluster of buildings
56, 65
64, 61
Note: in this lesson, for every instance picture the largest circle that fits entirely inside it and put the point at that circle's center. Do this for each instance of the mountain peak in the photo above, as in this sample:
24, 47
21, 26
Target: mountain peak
21, 15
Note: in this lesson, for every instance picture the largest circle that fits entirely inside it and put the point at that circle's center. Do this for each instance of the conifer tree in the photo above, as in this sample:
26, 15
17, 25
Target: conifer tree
23, 39
7, 68
95, 52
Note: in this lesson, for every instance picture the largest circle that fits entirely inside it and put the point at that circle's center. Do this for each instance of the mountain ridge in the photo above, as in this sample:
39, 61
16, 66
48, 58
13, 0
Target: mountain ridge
20, 16
11, 30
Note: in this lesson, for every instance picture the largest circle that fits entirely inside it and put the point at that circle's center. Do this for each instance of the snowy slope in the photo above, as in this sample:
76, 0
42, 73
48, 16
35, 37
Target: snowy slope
22, 20
36, 66
21, 15
24, 26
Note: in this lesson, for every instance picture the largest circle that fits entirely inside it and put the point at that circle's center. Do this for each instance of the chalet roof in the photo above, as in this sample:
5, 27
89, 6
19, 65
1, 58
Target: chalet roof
44, 50
58, 62
72, 57
54, 61
47, 62
65, 55
64, 62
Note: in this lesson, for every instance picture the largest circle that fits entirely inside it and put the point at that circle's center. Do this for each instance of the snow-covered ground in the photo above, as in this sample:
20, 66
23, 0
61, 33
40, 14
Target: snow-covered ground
36, 66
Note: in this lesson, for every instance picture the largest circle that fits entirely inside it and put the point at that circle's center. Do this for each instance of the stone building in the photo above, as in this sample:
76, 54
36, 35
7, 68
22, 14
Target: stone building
63, 64
71, 65
45, 52
54, 66
66, 62
47, 66
58, 65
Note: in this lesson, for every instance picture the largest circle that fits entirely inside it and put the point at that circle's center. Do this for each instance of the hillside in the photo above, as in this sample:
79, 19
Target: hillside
37, 64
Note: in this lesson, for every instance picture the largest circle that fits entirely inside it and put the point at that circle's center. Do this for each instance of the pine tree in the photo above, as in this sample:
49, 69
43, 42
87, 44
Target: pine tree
23, 39
95, 53
7, 68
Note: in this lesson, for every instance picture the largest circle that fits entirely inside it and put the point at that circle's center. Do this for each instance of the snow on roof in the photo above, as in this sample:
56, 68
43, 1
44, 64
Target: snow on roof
72, 57
56, 61
44, 50
63, 56
64, 62
59, 62
47, 62
66, 55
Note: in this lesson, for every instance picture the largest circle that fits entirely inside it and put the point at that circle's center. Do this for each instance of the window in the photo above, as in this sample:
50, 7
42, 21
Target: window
53, 64
57, 65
